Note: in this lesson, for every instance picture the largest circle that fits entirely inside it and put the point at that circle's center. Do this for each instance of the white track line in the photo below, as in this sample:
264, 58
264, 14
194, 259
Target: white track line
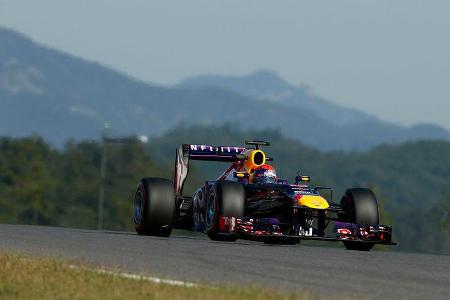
139, 277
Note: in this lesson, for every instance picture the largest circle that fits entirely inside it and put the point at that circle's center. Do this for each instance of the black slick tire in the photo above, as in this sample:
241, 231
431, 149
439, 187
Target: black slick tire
154, 207
225, 199
359, 206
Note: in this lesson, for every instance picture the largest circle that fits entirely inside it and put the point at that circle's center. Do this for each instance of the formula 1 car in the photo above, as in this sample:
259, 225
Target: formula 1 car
249, 201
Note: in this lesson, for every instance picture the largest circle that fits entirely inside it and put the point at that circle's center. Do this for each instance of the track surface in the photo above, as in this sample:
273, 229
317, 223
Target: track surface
321, 270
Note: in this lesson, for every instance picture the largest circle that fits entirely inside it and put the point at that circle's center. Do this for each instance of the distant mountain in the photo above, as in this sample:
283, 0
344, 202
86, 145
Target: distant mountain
268, 86
60, 96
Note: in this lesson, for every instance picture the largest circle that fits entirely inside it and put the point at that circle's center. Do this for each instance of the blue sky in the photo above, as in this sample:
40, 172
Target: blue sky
390, 58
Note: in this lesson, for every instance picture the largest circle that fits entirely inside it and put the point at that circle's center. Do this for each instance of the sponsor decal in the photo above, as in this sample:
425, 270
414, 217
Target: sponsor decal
227, 224
363, 232
212, 150
303, 191
344, 232
232, 224
203, 148
233, 150
303, 232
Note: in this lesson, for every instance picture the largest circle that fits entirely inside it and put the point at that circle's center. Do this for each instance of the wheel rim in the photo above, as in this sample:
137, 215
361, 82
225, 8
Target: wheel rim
138, 206
211, 212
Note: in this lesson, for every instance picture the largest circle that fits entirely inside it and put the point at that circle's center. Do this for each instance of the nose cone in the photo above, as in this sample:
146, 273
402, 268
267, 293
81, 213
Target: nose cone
312, 201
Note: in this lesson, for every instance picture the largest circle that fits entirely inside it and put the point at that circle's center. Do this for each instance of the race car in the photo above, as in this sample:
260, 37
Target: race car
249, 201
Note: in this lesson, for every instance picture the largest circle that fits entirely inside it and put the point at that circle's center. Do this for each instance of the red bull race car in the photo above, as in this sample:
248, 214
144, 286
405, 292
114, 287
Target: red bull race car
249, 201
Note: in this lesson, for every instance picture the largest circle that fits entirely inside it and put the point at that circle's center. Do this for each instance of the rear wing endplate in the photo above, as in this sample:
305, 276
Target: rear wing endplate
187, 152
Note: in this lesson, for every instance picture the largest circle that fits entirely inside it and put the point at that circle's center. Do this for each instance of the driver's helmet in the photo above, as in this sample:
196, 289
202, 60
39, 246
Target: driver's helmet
264, 174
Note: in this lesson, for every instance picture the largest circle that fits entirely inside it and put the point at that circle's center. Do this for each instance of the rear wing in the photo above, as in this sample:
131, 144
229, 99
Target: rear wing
187, 152
212, 153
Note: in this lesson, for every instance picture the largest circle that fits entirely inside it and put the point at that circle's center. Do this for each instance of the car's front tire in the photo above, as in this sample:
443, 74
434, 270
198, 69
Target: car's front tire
359, 206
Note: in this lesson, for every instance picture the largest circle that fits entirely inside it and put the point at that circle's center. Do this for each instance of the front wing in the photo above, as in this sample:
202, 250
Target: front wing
272, 228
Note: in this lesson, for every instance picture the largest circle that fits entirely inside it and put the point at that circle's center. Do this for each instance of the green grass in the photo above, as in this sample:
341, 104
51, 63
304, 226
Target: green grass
26, 277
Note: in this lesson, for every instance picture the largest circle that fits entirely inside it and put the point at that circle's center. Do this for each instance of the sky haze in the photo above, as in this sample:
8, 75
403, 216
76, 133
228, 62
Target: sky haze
389, 58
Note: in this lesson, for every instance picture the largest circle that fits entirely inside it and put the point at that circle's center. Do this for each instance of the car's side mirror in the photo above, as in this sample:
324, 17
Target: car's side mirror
241, 175
302, 179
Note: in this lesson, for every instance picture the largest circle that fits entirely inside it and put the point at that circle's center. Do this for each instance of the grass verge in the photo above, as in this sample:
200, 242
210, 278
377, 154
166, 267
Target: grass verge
25, 277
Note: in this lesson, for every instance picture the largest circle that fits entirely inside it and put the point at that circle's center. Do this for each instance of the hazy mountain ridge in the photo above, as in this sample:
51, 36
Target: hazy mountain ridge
267, 85
60, 96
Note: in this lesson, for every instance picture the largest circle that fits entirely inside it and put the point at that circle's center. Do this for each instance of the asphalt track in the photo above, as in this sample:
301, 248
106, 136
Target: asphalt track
324, 271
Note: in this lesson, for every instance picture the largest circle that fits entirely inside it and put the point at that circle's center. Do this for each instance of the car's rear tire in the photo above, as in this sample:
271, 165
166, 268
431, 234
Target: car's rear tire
225, 199
154, 207
359, 206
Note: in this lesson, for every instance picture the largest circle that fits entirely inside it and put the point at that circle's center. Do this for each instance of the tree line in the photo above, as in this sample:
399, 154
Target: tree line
41, 185
60, 187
